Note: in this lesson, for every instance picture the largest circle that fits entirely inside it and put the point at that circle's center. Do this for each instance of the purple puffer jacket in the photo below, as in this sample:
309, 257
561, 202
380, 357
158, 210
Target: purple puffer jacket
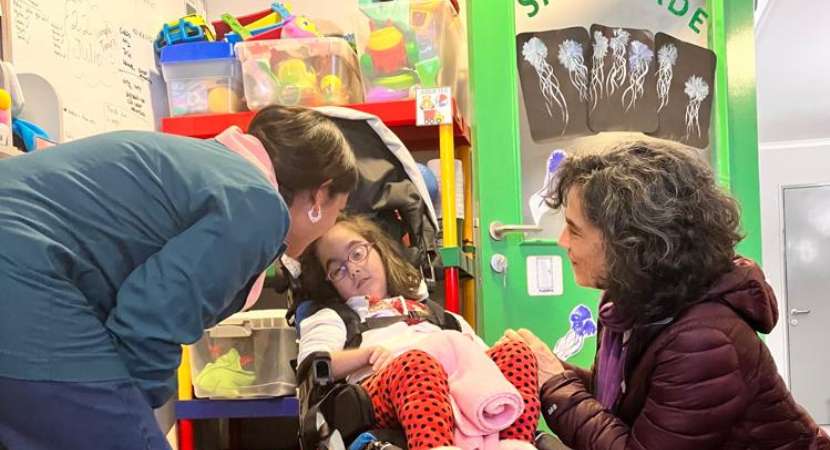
704, 381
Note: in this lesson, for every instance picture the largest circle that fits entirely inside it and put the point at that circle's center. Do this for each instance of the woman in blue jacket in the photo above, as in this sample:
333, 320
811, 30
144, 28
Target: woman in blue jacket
117, 249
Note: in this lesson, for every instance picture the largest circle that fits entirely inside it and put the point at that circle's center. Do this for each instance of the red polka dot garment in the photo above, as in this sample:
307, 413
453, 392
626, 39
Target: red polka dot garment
412, 392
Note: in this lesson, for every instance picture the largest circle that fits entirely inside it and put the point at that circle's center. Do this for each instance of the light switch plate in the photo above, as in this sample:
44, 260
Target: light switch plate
544, 275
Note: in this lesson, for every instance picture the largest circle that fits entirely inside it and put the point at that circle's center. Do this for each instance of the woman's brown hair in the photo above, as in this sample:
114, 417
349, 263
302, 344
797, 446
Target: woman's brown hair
307, 149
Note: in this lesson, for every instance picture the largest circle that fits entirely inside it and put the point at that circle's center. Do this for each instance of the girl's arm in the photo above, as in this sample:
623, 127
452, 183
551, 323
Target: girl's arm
324, 331
347, 362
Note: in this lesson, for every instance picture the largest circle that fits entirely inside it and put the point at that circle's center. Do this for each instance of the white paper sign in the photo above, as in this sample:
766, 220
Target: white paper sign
434, 106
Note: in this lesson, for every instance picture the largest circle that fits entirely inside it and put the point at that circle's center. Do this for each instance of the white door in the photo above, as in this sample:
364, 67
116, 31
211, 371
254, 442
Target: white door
807, 260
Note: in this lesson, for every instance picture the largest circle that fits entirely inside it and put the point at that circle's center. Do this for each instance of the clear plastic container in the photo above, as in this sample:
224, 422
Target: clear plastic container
202, 77
246, 356
307, 72
407, 44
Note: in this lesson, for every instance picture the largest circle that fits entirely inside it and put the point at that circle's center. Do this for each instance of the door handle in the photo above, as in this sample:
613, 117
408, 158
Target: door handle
796, 312
498, 229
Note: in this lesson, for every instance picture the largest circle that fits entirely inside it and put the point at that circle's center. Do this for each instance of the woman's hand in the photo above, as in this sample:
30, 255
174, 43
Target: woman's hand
549, 364
378, 358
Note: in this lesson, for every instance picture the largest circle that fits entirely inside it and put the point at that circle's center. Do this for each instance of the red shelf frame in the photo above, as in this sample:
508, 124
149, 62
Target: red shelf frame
399, 116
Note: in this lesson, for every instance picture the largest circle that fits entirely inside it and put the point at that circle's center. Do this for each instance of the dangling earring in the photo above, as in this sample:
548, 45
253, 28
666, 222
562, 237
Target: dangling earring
315, 214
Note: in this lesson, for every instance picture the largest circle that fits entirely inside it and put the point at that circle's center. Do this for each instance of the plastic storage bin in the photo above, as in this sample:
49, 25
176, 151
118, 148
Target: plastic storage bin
202, 77
408, 44
307, 71
246, 356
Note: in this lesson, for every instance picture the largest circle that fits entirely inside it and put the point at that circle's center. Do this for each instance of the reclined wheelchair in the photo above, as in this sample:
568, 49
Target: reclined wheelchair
334, 414
337, 415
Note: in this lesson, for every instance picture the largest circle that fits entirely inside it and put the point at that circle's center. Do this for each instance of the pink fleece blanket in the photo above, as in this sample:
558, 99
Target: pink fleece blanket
483, 401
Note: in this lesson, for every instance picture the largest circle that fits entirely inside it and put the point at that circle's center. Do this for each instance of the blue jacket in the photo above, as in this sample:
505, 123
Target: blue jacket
118, 248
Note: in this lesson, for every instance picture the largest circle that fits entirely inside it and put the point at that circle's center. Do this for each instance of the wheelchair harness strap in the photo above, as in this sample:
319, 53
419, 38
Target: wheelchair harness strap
355, 328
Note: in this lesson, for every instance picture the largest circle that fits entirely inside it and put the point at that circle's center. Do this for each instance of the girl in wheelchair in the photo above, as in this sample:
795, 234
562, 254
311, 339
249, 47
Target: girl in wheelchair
356, 265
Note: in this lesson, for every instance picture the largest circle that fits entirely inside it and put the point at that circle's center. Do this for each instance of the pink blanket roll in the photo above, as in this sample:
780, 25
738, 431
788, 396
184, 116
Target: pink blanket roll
483, 401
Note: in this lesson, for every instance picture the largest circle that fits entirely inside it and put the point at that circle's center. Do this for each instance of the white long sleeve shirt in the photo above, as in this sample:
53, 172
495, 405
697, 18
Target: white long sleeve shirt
325, 331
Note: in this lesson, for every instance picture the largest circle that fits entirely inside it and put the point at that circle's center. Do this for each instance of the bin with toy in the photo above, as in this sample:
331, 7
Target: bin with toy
202, 77
245, 356
308, 72
190, 28
407, 44
273, 23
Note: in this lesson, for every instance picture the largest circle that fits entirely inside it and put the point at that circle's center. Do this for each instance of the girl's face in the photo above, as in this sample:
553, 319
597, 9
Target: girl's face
351, 263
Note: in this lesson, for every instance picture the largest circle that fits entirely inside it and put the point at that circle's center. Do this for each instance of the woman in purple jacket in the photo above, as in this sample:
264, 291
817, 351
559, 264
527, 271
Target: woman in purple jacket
679, 363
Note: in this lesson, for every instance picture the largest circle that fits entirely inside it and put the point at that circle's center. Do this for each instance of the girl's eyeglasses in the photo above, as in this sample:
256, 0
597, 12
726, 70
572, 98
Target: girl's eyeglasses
357, 255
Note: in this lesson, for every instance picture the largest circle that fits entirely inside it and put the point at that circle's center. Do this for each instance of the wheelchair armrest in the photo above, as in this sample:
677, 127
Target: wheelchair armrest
315, 369
314, 378
344, 408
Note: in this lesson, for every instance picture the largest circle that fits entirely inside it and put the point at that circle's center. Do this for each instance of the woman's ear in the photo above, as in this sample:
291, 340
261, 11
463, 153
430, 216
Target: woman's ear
321, 195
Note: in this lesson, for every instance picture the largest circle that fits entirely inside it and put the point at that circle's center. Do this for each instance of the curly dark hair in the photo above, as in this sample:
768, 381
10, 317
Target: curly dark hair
669, 231
402, 278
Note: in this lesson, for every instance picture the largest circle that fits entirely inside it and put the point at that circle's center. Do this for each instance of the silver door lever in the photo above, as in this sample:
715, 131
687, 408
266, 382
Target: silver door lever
498, 229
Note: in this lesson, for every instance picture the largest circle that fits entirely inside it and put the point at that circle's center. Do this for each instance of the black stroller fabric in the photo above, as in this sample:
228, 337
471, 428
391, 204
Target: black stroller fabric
386, 193
391, 189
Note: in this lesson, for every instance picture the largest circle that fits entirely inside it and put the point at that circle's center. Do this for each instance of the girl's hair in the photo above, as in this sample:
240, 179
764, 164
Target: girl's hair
307, 148
401, 277
668, 230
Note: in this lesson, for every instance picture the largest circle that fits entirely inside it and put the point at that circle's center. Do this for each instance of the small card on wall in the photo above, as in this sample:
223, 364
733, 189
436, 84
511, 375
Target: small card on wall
554, 74
685, 90
433, 106
622, 79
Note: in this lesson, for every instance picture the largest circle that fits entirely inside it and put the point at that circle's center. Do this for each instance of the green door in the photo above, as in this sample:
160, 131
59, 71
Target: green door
525, 279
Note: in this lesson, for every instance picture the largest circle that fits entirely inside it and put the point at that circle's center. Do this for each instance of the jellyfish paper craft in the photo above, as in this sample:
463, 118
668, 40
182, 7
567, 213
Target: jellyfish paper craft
697, 90
639, 59
582, 326
617, 73
535, 52
598, 67
537, 203
666, 59
572, 59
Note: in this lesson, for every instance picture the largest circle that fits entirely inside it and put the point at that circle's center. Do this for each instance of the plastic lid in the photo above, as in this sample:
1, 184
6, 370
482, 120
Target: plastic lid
242, 323
257, 314
196, 51
261, 314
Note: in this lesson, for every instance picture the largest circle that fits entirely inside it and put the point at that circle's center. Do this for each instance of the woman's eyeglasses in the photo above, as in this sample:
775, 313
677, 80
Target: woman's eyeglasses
357, 255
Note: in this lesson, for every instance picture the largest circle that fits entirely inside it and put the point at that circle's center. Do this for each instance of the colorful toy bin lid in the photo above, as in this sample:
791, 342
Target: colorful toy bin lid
196, 51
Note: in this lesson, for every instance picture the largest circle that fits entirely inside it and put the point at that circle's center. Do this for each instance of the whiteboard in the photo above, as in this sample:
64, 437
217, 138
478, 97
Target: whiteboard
98, 54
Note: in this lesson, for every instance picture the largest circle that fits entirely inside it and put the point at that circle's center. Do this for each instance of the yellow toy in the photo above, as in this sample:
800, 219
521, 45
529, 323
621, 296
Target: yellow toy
222, 99
225, 376
332, 88
298, 83
5, 118
295, 71
274, 23
300, 27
